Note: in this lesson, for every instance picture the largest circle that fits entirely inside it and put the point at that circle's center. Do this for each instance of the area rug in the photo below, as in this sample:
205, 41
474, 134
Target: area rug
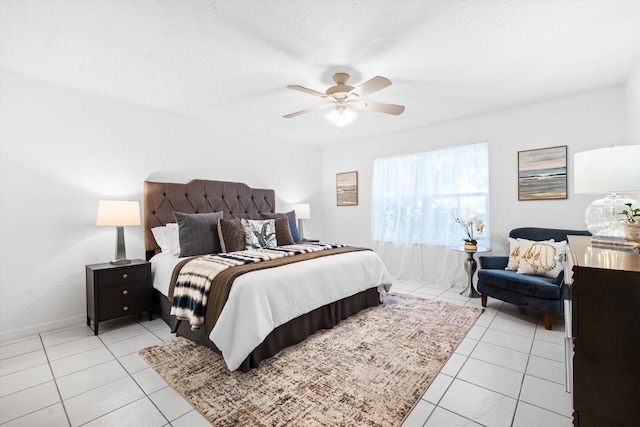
369, 370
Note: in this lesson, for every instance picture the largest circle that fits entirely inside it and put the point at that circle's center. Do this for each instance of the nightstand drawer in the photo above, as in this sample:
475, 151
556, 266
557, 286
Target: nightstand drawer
122, 275
121, 300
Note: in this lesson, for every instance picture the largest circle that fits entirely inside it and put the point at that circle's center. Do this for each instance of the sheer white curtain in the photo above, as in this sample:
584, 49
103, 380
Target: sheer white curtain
415, 200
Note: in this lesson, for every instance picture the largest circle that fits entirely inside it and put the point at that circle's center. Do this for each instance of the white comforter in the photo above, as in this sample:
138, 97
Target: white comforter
261, 301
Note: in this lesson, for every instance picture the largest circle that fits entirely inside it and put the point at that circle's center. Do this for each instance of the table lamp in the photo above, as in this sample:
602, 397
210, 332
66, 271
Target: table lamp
118, 213
303, 211
611, 171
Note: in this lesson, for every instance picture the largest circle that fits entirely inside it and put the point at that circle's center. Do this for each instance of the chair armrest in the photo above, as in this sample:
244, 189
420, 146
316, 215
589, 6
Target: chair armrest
560, 279
494, 262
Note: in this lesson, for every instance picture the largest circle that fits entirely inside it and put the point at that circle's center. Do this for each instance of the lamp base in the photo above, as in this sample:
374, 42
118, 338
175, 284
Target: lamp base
121, 253
604, 217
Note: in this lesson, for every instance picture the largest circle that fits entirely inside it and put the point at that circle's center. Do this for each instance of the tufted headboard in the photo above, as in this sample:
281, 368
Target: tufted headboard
235, 199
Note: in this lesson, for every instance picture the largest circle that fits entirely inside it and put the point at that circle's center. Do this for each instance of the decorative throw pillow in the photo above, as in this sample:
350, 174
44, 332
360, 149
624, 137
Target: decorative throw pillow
283, 231
546, 258
167, 238
231, 233
198, 233
293, 225
514, 254
260, 233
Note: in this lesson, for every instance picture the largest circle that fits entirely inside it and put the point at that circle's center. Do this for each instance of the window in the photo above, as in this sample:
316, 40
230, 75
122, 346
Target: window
416, 197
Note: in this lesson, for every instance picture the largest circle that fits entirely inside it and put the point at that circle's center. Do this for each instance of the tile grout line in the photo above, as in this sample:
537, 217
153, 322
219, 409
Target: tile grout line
145, 395
533, 376
140, 387
456, 378
46, 355
128, 374
524, 375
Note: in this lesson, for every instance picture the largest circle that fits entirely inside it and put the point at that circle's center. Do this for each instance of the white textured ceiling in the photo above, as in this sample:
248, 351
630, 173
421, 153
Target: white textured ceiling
229, 61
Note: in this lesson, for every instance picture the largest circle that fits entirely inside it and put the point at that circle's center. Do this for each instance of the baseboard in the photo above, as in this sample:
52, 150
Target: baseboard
41, 328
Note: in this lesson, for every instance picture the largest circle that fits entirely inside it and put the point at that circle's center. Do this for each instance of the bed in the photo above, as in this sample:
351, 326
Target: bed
341, 294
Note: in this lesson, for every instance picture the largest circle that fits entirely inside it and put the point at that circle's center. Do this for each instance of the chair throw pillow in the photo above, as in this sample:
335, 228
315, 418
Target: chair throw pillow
546, 258
514, 254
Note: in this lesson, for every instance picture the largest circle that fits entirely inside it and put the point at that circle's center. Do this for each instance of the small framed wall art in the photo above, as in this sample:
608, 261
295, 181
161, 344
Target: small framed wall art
347, 188
542, 173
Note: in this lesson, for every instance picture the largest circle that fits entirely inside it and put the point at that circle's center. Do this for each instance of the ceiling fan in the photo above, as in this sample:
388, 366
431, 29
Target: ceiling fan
342, 96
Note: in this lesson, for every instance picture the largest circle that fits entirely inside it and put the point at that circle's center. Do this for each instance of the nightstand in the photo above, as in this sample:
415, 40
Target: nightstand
118, 290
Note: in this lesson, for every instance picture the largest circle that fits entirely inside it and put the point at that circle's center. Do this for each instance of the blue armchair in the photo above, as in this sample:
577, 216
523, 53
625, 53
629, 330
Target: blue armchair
538, 293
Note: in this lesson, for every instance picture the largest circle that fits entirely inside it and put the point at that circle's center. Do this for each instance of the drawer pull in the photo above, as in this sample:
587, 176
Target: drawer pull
125, 308
125, 275
125, 292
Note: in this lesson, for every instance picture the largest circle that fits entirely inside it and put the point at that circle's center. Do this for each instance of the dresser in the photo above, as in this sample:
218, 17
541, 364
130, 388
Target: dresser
606, 335
117, 290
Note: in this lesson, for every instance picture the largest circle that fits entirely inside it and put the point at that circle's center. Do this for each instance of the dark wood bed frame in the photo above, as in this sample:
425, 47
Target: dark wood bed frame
236, 200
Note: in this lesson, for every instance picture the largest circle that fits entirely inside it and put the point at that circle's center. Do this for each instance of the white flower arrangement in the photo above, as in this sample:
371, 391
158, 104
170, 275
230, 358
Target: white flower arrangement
471, 226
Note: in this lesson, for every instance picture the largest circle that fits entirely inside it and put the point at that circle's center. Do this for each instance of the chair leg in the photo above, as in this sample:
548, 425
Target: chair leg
483, 300
548, 321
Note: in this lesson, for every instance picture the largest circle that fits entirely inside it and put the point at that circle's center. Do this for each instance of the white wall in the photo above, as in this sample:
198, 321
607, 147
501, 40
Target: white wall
633, 105
584, 122
63, 149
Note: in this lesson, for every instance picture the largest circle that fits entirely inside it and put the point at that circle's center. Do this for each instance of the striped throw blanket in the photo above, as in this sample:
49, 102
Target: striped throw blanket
191, 290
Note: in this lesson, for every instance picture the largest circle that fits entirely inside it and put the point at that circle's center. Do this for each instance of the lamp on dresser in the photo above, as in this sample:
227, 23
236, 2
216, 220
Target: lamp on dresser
612, 171
118, 213
303, 211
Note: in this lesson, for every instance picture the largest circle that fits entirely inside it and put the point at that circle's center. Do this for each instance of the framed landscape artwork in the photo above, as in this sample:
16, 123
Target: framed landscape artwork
542, 173
347, 188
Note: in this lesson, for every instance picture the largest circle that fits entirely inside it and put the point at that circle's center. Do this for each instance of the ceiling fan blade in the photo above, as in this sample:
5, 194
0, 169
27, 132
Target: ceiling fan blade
380, 107
308, 110
307, 90
370, 86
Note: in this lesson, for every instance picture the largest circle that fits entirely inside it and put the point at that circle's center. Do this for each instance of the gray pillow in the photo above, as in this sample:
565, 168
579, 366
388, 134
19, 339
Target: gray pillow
198, 233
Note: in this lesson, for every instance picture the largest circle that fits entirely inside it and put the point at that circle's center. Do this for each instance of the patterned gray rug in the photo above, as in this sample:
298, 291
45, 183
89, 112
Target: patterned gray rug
370, 370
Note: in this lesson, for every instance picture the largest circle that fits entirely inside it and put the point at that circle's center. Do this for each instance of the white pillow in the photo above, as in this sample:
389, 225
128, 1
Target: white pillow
167, 238
260, 233
546, 258
514, 254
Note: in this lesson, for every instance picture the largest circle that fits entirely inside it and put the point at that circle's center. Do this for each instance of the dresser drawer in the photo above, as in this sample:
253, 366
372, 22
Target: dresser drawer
122, 275
121, 300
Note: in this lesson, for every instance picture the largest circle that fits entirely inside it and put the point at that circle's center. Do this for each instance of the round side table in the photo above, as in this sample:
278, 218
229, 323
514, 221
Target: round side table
470, 266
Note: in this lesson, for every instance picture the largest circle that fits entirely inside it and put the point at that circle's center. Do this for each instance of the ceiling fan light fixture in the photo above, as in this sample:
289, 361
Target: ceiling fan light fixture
341, 116
345, 99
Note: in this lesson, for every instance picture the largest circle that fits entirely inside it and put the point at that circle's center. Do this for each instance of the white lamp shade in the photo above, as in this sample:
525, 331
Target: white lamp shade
303, 211
607, 170
118, 213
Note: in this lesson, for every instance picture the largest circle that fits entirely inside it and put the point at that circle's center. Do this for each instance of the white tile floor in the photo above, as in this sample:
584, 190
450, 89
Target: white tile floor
508, 371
